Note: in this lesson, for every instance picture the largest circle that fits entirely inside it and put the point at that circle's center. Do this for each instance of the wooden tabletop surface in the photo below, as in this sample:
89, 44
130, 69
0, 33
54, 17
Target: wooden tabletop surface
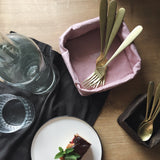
46, 20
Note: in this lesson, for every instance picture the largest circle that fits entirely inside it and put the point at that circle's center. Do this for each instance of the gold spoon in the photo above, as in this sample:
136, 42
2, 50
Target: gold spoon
101, 60
149, 99
155, 101
115, 28
102, 63
111, 19
103, 20
146, 130
106, 24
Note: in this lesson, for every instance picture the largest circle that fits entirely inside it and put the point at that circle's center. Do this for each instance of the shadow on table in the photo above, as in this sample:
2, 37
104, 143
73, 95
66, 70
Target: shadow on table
145, 11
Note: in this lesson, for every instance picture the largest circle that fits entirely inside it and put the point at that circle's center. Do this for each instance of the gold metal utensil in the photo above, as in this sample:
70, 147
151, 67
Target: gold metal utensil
114, 31
107, 17
149, 99
118, 22
99, 73
101, 60
106, 25
145, 129
155, 101
103, 23
111, 19
103, 20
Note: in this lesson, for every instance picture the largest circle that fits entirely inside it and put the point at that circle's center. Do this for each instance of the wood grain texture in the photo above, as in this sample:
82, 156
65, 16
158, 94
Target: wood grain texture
46, 20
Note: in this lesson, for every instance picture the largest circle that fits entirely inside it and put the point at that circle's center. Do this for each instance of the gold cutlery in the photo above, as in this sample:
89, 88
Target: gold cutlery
149, 99
116, 26
106, 27
145, 129
99, 73
103, 21
101, 60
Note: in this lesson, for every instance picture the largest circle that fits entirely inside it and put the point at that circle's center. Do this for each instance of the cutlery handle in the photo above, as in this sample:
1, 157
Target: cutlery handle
155, 100
103, 19
110, 20
130, 38
149, 97
116, 26
157, 110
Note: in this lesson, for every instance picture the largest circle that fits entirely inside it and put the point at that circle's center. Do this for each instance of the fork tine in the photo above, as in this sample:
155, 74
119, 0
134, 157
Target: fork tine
103, 83
94, 86
98, 83
94, 79
90, 79
91, 83
88, 85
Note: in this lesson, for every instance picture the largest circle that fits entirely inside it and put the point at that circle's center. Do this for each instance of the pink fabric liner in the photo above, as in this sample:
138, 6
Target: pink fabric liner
80, 46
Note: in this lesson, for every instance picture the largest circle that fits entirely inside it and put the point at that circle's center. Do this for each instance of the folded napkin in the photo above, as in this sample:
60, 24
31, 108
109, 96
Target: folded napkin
64, 99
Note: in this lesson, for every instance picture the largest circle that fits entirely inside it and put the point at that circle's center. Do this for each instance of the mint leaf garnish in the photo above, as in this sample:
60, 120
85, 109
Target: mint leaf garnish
70, 157
68, 154
69, 150
58, 155
60, 149
76, 155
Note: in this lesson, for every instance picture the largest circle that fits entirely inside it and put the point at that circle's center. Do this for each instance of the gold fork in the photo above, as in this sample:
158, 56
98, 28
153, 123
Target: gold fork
103, 61
110, 35
106, 25
99, 73
103, 20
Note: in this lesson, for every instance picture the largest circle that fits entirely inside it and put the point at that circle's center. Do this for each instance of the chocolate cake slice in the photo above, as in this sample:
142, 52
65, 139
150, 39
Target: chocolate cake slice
80, 145
74, 150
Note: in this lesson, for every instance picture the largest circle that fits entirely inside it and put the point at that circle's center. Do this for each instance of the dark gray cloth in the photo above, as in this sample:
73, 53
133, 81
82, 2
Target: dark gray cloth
64, 99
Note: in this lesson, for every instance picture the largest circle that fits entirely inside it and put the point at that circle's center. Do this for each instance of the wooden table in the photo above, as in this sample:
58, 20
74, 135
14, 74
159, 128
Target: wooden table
46, 20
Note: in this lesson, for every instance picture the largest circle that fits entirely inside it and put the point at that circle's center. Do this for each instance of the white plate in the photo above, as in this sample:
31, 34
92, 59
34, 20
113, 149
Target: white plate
59, 132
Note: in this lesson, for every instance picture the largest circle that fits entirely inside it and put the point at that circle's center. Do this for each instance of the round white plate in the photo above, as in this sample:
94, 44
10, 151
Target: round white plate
58, 132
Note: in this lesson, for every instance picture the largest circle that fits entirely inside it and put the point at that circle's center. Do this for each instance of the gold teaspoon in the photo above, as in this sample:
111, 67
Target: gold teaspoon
149, 99
155, 100
103, 20
146, 130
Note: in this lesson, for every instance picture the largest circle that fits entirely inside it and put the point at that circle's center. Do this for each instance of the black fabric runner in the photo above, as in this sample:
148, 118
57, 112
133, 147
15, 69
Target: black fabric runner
64, 99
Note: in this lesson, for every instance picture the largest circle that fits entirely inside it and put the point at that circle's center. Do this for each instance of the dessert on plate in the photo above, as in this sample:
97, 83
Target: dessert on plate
75, 149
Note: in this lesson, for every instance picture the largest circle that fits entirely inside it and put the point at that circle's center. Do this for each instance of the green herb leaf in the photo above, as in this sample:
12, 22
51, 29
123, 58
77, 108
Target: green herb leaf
68, 154
70, 157
60, 149
76, 155
69, 150
58, 155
